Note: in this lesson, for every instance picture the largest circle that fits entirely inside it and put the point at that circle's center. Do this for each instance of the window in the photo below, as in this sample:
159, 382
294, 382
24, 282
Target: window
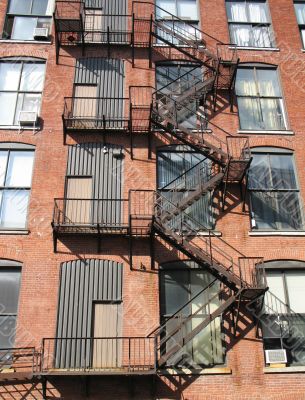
178, 165
10, 275
186, 10
16, 167
180, 282
274, 191
26, 15
21, 85
259, 98
284, 325
249, 23
300, 12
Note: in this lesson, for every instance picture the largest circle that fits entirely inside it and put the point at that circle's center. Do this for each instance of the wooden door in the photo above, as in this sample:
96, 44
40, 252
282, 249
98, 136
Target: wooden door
107, 348
79, 204
85, 105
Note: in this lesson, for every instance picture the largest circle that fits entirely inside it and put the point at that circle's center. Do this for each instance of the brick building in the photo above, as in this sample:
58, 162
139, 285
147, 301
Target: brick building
152, 223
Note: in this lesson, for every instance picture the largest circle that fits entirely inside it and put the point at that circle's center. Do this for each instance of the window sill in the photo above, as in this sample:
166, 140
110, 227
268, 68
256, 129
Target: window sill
203, 371
14, 232
25, 41
303, 50
255, 48
277, 233
253, 132
285, 370
214, 233
20, 128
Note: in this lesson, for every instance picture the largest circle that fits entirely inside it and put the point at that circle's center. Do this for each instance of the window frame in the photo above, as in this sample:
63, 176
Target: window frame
267, 151
12, 17
186, 19
6, 265
18, 91
258, 97
301, 26
267, 24
28, 189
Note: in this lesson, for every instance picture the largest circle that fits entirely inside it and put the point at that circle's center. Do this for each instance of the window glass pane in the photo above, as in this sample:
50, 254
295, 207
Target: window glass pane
187, 9
39, 7
167, 5
20, 6
268, 83
245, 82
249, 112
276, 285
264, 207
7, 108
7, 332
3, 162
300, 12
272, 114
9, 290
14, 208
282, 170
24, 28
259, 173
9, 75
289, 214
236, 11
296, 289
20, 168
32, 77
176, 290
261, 36
303, 36
240, 34
258, 12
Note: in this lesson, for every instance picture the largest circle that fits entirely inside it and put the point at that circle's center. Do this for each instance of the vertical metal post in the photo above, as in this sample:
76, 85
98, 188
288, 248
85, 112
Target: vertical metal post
150, 40
152, 245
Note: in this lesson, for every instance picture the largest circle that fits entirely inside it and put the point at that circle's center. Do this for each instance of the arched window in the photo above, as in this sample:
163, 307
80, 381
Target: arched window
259, 97
274, 190
10, 277
16, 170
21, 85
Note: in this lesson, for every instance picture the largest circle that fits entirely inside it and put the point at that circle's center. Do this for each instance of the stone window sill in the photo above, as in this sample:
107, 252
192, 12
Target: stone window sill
285, 370
203, 371
255, 48
276, 233
14, 232
253, 132
20, 128
25, 41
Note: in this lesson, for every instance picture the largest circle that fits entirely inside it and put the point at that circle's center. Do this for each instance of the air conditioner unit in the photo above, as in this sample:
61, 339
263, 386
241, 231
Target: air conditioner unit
27, 117
276, 356
41, 33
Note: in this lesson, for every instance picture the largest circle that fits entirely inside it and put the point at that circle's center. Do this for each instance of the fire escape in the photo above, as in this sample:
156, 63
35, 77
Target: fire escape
179, 111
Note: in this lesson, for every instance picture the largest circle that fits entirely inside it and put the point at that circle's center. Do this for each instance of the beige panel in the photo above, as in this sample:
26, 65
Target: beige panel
85, 102
93, 25
78, 211
107, 353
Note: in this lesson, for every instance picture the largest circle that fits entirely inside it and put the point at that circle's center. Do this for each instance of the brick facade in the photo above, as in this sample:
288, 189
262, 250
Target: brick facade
37, 311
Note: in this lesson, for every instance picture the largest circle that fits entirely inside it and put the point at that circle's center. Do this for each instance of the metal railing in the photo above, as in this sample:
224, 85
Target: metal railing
96, 113
102, 214
21, 359
121, 355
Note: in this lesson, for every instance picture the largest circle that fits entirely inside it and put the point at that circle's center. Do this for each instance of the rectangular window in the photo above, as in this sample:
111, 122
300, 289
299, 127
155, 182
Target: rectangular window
285, 323
186, 10
249, 23
300, 13
21, 85
178, 168
9, 295
274, 192
23, 17
16, 168
259, 99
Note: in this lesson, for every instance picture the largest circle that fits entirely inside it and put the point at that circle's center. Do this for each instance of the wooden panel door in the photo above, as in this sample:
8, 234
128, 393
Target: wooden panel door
85, 104
107, 349
79, 203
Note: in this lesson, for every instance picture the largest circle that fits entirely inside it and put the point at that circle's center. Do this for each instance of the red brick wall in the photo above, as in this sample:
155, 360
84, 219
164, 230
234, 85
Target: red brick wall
40, 272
